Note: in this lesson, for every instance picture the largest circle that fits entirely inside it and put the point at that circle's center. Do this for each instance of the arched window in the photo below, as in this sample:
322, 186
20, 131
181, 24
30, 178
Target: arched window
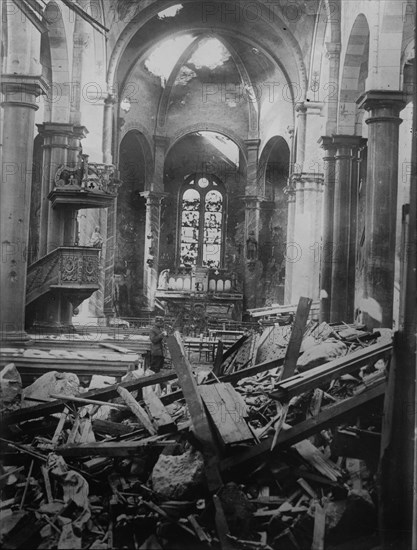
201, 221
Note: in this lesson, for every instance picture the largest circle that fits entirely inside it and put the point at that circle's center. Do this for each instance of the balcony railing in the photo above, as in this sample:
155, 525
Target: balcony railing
207, 281
73, 269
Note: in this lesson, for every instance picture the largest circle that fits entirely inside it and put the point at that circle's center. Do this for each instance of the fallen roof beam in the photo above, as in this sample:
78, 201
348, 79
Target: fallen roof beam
306, 428
325, 373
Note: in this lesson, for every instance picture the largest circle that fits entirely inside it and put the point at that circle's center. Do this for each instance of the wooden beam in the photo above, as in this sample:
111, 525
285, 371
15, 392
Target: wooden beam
157, 411
308, 427
291, 355
296, 338
325, 373
136, 409
103, 394
226, 414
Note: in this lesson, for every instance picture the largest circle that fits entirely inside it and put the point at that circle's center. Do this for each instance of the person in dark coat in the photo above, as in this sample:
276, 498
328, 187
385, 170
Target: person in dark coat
156, 336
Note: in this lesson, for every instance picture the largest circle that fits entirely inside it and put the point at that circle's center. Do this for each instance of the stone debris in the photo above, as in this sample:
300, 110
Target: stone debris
72, 478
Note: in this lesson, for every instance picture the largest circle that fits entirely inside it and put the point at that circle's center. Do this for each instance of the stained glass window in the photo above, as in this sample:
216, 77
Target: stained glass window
202, 224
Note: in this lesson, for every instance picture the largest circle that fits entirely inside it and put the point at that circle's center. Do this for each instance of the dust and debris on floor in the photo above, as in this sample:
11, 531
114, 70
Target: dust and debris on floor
275, 446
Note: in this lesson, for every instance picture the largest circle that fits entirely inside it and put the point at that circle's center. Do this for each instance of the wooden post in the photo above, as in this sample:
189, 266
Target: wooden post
136, 409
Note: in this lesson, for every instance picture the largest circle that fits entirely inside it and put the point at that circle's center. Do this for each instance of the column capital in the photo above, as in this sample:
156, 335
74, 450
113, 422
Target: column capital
332, 49
252, 201
326, 143
309, 107
161, 141
252, 143
346, 141
153, 198
66, 129
22, 89
394, 100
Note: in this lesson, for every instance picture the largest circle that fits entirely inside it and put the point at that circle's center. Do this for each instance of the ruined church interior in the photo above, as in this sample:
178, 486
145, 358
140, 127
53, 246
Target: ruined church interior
229, 186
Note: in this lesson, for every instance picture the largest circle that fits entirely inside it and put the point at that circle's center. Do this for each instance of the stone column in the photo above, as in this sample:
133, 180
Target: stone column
301, 120
342, 290
109, 248
290, 192
304, 251
152, 235
327, 239
253, 267
333, 55
19, 106
384, 107
161, 143
252, 149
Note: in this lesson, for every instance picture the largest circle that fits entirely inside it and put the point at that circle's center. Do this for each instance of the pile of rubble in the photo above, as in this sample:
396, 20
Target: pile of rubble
276, 448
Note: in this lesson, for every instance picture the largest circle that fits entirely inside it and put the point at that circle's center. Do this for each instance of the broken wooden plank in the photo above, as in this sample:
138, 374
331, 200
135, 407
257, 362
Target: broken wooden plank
84, 401
292, 354
296, 338
218, 359
319, 527
136, 409
225, 413
159, 414
334, 369
304, 429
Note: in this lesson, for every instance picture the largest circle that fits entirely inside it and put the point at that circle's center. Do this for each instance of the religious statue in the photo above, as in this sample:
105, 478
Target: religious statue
251, 246
96, 240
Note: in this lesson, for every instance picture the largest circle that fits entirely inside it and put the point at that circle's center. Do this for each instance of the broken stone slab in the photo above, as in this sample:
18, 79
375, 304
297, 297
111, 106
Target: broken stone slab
10, 388
53, 382
320, 354
178, 476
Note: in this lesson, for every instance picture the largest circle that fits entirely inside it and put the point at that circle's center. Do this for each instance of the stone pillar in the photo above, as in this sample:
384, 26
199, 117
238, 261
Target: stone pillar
19, 106
252, 149
290, 192
344, 213
161, 143
327, 239
304, 251
253, 267
333, 55
109, 248
384, 107
152, 235
301, 119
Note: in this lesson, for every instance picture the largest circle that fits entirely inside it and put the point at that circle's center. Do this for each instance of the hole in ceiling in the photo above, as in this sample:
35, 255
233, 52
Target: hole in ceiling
210, 53
170, 12
162, 59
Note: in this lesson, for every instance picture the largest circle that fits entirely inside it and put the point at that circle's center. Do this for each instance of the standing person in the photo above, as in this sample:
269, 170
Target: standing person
156, 336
